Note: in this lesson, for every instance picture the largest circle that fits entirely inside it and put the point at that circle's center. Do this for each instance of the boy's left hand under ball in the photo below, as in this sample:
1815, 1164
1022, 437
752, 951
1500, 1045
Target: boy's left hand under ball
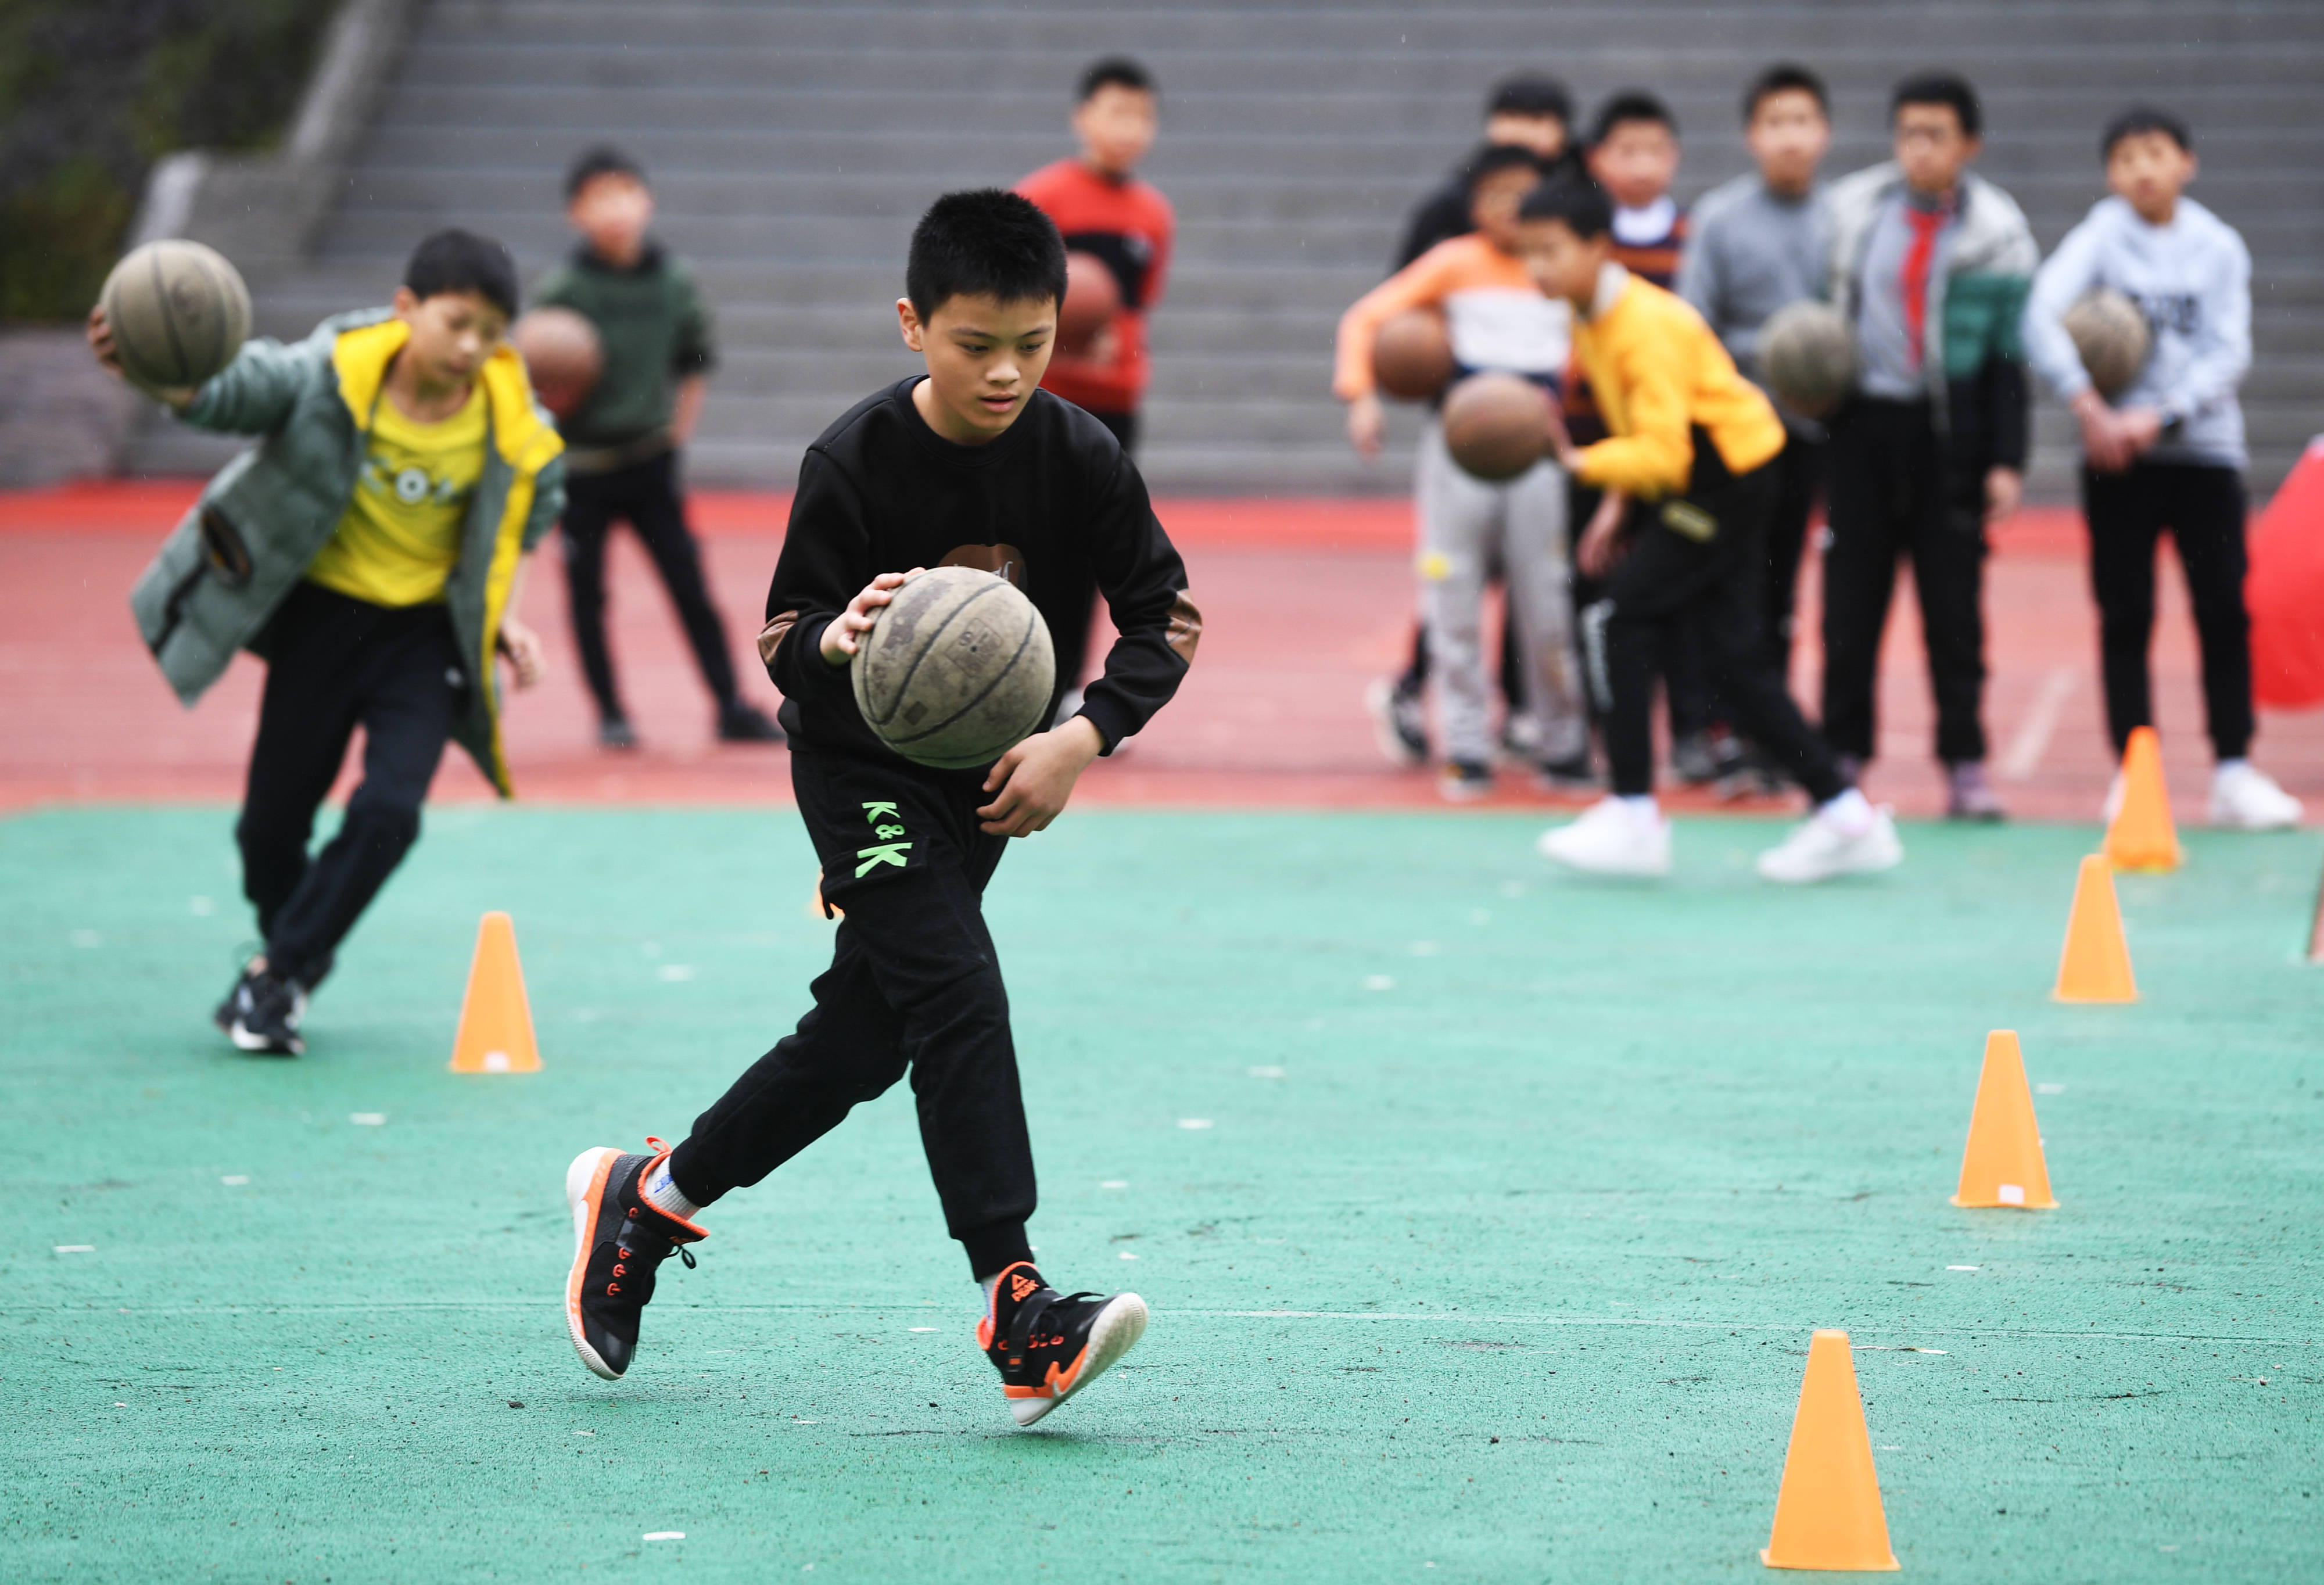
1035, 779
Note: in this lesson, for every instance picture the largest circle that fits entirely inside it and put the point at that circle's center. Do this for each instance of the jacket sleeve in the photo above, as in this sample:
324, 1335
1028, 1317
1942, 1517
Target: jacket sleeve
826, 563
2065, 276
1656, 458
1144, 583
1420, 282
254, 394
547, 501
2222, 342
692, 351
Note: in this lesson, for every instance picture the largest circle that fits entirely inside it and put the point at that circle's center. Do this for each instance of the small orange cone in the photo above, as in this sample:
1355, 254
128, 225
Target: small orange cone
2095, 964
495, 1019
2142, 837
1827, 1513
2003, 1165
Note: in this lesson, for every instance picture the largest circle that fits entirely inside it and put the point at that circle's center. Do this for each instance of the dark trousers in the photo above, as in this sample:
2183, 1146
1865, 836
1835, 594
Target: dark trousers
2203, 509
1893, 497
913, 986
1681, 661
333, 664
1672, 581
645, 495
1799, 480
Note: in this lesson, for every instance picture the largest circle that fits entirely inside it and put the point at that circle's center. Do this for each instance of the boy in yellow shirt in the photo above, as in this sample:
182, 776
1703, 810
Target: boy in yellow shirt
1689, 446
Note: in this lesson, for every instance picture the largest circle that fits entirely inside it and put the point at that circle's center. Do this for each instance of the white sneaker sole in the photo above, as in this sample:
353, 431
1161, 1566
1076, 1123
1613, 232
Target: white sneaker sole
1655, 869
1117, 1326
585, 1182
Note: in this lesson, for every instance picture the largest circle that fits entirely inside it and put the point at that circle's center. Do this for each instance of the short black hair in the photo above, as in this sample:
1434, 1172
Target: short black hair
983, 242
2141, 119
1941, 87
1785, 77
455, 260
1119, 70
1498, 157
1631, 105
602, 160
1582, 207
1529, 93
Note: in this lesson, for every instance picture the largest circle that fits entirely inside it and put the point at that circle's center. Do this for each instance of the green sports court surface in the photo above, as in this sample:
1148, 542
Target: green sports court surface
1485, 1215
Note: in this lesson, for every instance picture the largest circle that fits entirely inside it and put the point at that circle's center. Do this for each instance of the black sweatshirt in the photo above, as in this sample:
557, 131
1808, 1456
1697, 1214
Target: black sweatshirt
1054, 503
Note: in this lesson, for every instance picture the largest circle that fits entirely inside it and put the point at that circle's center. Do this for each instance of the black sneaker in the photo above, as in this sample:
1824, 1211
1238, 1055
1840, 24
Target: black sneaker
618, 1242
1464, 782
1693, 758
747, 723
1400, 720
1047, 1345
1573, 774
262, 1013
616, 732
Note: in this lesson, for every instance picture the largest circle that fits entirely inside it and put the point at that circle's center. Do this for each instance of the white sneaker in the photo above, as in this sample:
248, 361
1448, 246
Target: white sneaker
2244, 798
1818, 847
1611, 839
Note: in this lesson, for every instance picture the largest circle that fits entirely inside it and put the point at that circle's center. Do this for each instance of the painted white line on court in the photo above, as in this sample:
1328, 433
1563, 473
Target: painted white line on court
2030, 741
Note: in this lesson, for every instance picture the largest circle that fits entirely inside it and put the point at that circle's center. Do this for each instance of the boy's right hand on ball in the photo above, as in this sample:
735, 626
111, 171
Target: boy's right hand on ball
846, 629
108, 358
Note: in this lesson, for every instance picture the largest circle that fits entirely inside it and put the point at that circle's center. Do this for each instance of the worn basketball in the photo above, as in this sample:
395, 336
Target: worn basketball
562, 354
2111, 336
1412, 354
956, 670
178, 310
1808, 353
1497, 425
1093, 297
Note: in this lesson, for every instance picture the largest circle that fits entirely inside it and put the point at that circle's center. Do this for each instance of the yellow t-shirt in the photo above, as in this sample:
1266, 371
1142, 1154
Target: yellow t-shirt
399, 537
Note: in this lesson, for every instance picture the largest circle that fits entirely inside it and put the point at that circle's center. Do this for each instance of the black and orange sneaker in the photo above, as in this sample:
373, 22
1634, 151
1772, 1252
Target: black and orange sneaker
618, 1242
1047, 1345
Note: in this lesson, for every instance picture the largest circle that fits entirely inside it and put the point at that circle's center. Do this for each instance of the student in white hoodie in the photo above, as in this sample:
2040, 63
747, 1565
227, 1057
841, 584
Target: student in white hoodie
2167, 453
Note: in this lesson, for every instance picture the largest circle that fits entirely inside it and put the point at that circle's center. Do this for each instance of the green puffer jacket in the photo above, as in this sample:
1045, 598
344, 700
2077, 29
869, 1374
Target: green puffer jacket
228, 566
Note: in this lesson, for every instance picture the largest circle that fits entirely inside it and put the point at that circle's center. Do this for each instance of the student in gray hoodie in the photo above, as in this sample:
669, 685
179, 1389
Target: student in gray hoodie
2166, 452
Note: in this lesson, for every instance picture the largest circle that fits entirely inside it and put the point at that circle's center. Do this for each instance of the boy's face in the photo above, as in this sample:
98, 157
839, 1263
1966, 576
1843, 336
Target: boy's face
1561, 264
1932, 147
1636, 163
611, 213
1543, 134
452, 334
1493, 204
1116, 125
1788, 135
2149, 170
984, 358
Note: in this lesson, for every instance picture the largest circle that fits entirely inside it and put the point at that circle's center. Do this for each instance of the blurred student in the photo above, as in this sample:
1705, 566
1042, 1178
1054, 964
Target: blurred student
1498, 320
2167, 454
627, 436
1930, 263
1690, 448
371, 549
1757, 243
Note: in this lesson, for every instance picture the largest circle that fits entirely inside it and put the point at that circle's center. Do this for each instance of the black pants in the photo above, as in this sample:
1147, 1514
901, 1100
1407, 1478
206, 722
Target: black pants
1799, 480
1670, 581
645, 495
2203, 509
332, 664
1680, 661
1893, 496
914, 985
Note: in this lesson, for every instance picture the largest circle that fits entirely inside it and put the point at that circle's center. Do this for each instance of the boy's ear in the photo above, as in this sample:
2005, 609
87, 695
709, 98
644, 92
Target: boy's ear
406, 302
908, 319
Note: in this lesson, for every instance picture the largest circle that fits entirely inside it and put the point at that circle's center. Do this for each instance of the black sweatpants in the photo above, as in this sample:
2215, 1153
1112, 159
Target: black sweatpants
1672, 579
2203, 509
1799, 479
914, 985
645, 495
1682, 660
1893, 496
334, 663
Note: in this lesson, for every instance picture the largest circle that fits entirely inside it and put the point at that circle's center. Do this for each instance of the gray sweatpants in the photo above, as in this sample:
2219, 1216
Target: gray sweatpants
1468, 528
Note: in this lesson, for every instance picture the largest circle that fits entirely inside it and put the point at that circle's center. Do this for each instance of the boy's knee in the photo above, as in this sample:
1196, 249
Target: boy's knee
387, 825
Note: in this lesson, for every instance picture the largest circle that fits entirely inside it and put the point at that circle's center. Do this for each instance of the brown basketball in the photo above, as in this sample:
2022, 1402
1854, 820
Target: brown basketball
562, 354
178, 311
1808, 353
2111, 336
956, 670
1412, 355
1497, 426
1093, 297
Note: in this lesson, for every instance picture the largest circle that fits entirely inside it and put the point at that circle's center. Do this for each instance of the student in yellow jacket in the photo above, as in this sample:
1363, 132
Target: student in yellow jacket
371, 550
1689, 446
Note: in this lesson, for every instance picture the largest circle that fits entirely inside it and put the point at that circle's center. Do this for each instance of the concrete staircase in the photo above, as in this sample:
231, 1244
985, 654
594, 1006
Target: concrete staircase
791, 144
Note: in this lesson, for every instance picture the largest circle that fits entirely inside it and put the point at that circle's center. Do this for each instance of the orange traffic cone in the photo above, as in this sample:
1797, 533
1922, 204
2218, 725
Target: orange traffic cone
2003, 1165
2141, 836
2096, 963
1827, 1513
495, 1019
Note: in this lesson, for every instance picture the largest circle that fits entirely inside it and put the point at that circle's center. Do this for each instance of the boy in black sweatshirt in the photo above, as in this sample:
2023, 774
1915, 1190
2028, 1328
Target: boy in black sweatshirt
971, 466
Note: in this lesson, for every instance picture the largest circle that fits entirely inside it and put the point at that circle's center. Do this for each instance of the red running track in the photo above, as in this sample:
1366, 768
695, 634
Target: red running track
1305, 603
